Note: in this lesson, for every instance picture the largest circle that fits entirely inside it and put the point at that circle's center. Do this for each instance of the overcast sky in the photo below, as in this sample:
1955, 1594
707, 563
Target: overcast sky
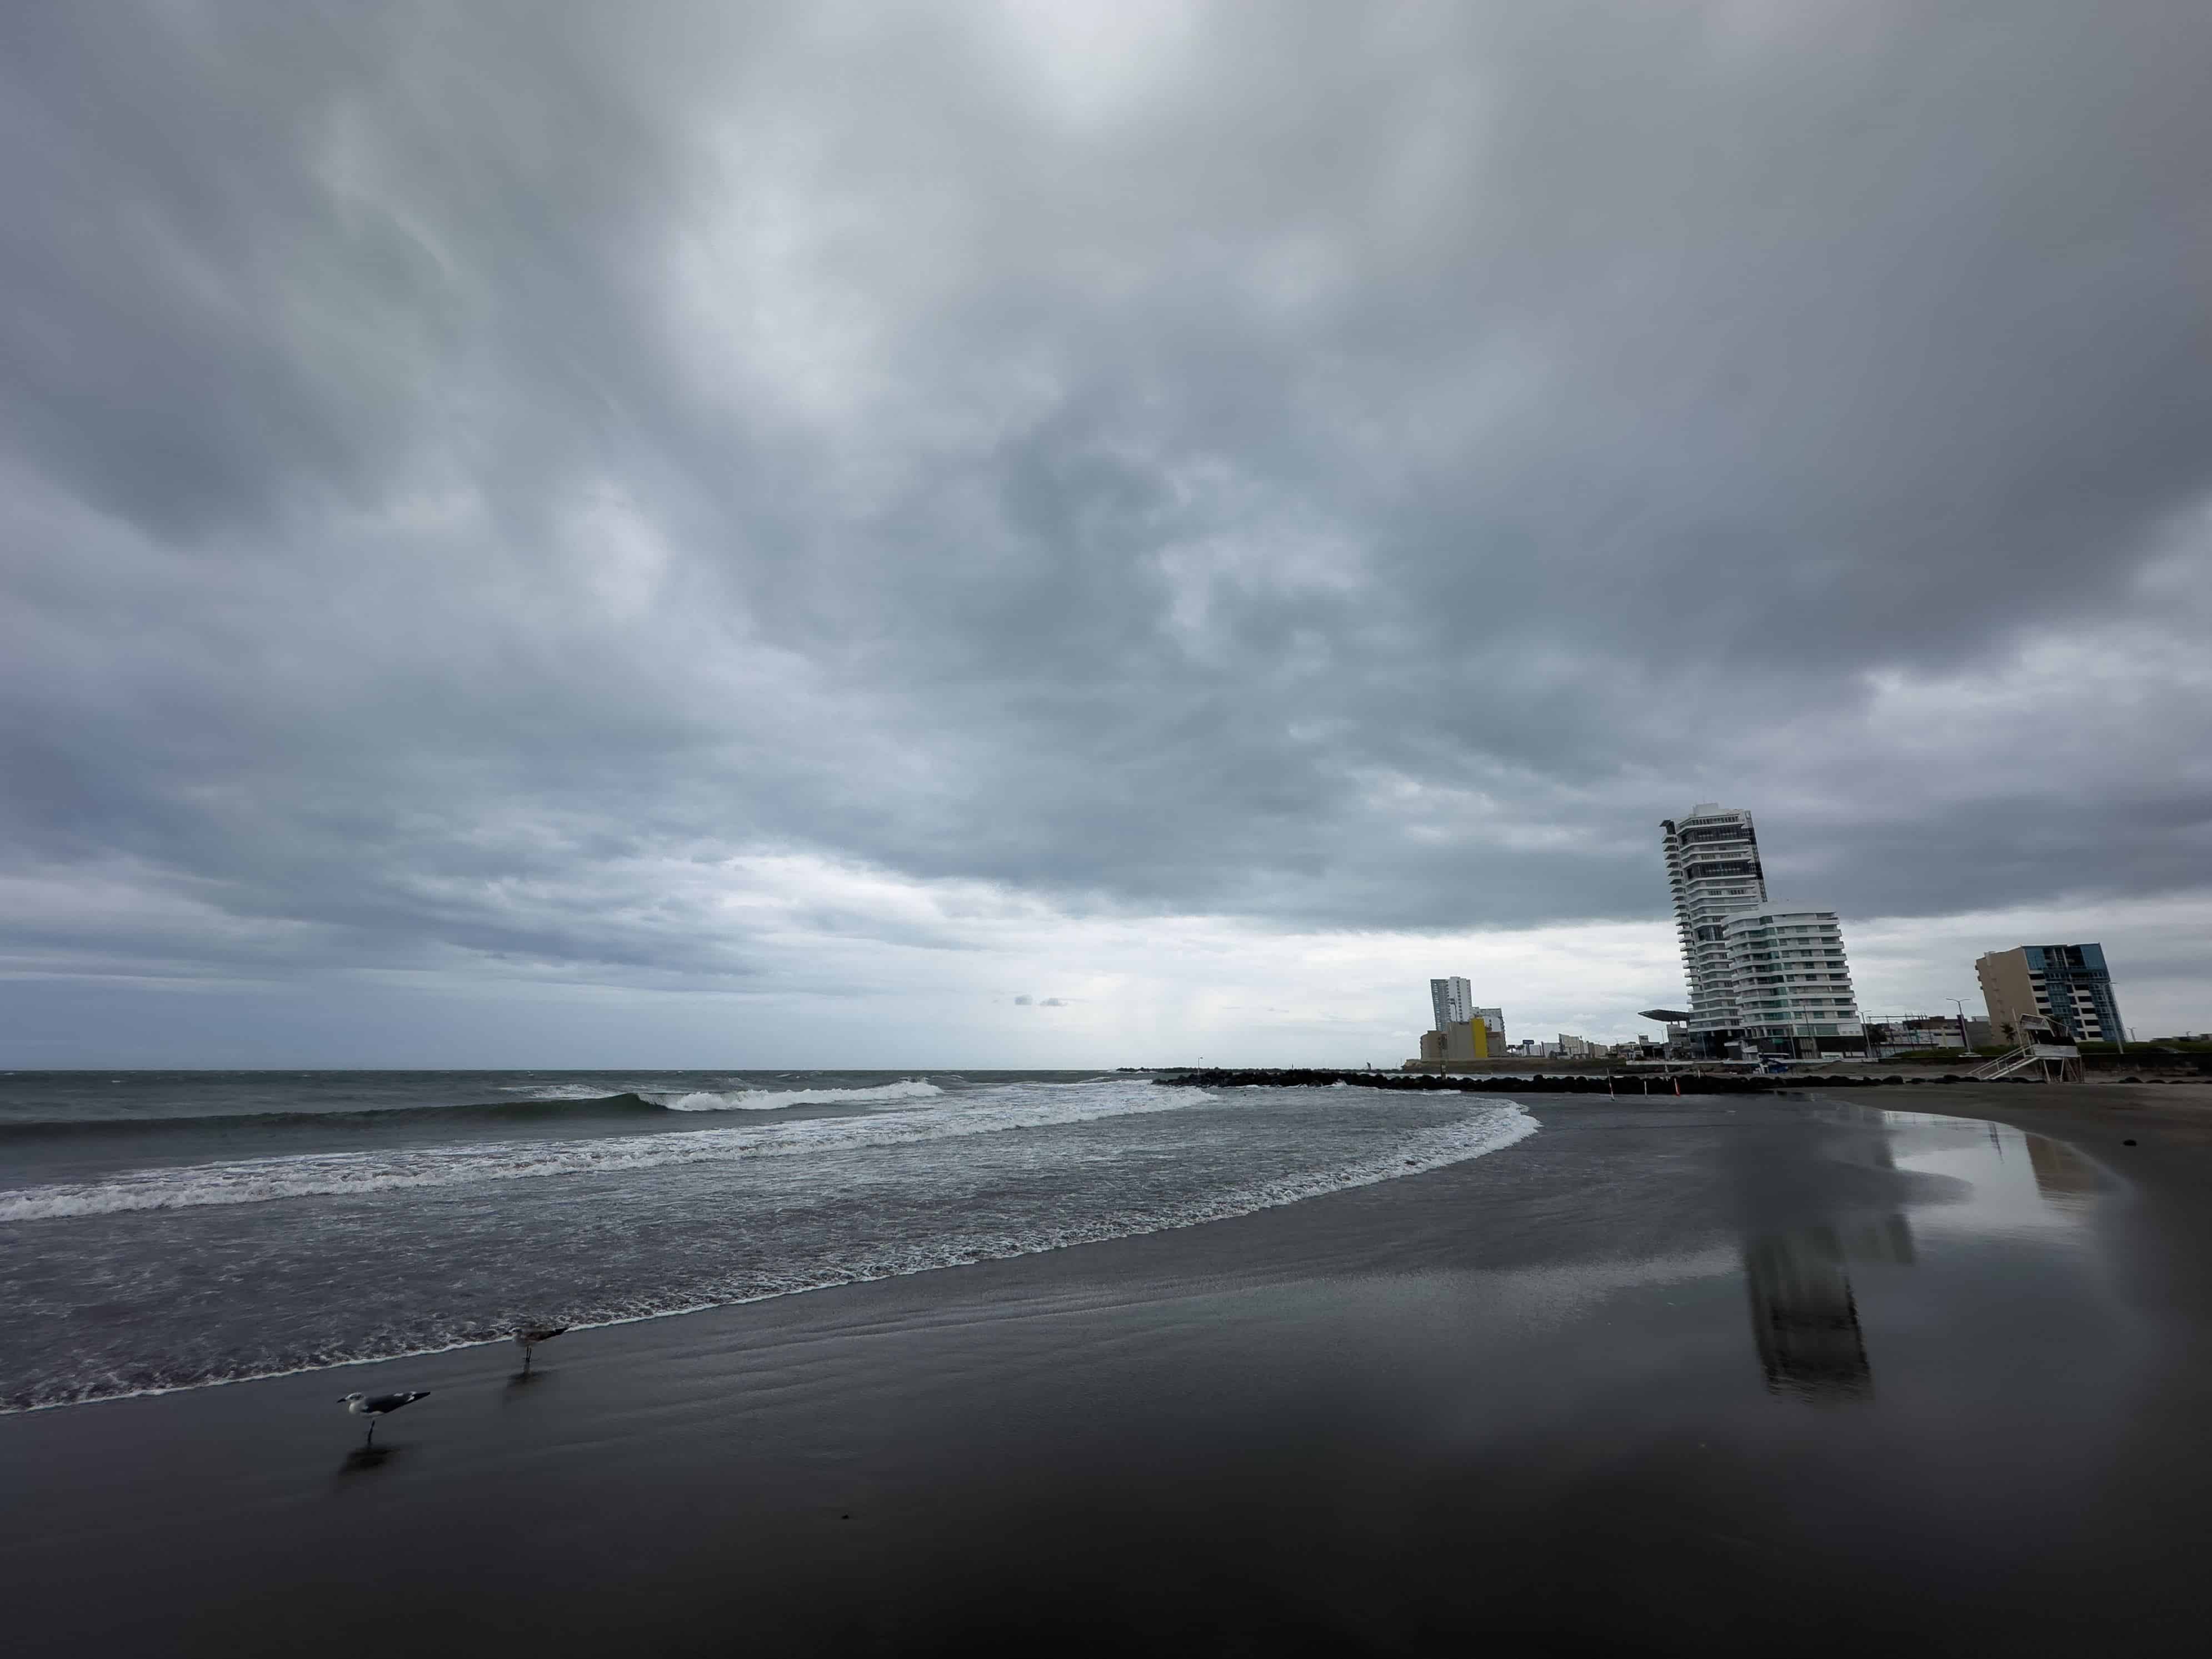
879, 535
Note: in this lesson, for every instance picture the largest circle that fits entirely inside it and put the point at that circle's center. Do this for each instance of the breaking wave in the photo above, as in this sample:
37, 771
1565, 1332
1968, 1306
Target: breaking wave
263, 1179
579, 1102
1490, 1126
772, 1100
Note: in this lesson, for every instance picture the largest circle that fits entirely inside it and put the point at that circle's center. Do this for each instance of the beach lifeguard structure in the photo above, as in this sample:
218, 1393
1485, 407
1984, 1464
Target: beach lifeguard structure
2052, 1061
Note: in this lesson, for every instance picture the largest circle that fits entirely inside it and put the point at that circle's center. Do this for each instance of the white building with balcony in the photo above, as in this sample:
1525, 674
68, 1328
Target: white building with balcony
1714, 872
1792, 983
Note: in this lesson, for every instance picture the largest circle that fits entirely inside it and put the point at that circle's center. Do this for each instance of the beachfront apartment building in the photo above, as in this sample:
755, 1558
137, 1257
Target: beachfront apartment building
2068, 985
1792, 983
1714, 873
1761, 980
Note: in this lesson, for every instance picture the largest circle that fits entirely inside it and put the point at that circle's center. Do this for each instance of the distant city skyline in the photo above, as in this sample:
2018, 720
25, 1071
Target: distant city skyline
1148, 993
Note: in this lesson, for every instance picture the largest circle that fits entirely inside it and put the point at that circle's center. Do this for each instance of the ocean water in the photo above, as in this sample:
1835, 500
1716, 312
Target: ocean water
162, 1230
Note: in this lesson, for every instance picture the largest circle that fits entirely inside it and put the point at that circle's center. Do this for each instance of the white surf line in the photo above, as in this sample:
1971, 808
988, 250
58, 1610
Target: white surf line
1503, 1132
324, 1175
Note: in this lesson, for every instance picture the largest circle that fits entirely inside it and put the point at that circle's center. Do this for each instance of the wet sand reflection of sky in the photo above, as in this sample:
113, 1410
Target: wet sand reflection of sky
1804, 1308
2018, 1182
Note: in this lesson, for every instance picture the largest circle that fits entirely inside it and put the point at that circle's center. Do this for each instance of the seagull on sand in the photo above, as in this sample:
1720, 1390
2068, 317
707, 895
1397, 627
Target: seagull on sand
374, 1406
530, 1336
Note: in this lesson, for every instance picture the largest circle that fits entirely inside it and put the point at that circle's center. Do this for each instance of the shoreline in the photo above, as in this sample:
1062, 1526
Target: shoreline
1488, 1137
2081, 1117
1289, 1429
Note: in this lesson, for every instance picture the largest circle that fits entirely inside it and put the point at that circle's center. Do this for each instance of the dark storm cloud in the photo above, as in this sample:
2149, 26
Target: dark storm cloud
468, 467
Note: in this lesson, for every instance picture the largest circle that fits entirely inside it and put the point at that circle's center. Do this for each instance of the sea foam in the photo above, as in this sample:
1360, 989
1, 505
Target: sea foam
263, 1179
770, 1100
1488, 1125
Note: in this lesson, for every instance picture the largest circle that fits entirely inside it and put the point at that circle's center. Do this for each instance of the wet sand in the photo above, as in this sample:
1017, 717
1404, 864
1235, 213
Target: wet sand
1719, 1376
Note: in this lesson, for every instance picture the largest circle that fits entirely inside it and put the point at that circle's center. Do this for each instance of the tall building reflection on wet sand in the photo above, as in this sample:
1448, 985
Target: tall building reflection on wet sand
2063, 1177
1804, 1318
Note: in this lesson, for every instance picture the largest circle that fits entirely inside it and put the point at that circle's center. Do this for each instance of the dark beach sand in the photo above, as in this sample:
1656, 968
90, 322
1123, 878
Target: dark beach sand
1701, 1377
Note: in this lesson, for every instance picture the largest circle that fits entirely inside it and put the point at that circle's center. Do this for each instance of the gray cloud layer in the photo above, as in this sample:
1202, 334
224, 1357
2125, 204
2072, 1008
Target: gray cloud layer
1334, 465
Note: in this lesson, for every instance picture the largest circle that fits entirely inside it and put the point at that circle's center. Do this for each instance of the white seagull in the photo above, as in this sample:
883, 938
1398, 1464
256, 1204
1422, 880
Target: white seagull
373, 1405
530, 1336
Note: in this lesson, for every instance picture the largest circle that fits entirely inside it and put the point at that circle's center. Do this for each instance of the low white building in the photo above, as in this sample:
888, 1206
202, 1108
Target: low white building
1792, 983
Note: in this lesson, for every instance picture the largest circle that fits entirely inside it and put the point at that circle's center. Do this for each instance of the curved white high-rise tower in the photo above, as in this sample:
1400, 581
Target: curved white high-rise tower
1712, 868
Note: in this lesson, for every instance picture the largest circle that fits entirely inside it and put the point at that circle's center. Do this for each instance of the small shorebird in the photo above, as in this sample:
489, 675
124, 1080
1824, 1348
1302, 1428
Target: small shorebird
374, 1406
530, 1336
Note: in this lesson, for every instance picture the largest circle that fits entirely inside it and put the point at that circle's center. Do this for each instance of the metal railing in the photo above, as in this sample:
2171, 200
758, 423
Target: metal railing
2006, 1064
2061, 1062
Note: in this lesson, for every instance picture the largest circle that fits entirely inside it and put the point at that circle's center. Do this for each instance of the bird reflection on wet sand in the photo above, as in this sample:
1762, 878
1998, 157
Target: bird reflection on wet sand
1804, 1318
361, 1459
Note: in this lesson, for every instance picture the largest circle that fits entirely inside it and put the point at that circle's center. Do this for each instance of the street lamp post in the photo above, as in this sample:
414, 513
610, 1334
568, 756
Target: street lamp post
1960, 1004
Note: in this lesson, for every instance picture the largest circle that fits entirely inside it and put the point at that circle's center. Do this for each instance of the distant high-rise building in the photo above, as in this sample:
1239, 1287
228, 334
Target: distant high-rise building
1462, 1031
1761, 979
2066, 984
1713, 869
1453, 1000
